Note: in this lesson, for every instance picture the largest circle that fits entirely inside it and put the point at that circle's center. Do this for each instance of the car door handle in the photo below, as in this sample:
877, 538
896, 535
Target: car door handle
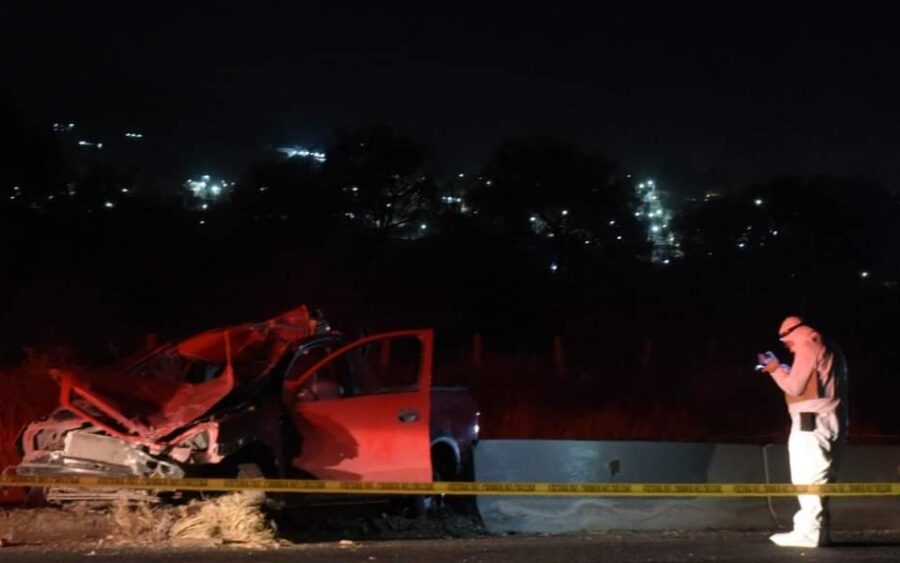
408, 416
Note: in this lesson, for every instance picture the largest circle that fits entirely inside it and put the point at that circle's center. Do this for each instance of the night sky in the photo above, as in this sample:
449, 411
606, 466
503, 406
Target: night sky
697, 96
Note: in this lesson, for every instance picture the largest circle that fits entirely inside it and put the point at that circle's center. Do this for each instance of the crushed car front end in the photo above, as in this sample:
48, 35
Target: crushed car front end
180, 411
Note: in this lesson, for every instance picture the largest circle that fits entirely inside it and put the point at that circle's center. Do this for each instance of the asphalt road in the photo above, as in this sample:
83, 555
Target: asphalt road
620, 547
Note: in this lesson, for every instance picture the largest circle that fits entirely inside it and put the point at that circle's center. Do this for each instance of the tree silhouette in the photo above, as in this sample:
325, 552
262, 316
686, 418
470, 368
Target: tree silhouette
277, 189
34, 166
844, 225
543, 189
381, 180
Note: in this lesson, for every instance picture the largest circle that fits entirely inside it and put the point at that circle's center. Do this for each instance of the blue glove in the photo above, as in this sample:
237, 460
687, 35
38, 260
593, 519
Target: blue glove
764, 359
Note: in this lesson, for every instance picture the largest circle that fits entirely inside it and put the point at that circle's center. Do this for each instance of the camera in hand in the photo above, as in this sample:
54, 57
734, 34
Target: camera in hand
763, 359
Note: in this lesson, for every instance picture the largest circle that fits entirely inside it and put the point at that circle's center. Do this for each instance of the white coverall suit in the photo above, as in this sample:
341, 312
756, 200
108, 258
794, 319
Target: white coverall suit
815, 391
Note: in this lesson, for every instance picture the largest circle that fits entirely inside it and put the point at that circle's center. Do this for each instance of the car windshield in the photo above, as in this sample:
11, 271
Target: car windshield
182, 381
168, 364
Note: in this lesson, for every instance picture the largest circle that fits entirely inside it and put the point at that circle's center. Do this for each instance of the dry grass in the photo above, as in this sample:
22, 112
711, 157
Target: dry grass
234, 518
140, 521
28, 393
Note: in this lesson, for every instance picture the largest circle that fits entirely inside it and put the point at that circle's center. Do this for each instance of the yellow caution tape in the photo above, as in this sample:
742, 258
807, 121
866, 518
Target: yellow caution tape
456, 488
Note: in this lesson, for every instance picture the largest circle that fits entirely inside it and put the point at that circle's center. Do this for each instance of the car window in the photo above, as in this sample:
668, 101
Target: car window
381, 366
323, 385
305, 359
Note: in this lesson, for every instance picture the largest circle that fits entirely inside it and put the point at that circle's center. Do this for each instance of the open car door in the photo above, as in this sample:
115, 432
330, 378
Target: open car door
363, 411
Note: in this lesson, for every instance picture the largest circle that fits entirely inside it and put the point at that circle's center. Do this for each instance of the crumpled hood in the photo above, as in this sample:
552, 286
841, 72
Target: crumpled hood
176, 385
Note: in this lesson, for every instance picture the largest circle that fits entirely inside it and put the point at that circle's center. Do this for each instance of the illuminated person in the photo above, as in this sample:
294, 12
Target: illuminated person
815, 388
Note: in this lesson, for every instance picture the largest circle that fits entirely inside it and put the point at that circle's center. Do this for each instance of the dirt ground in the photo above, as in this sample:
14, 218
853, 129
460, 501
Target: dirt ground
142, 534
221, 521
722, 547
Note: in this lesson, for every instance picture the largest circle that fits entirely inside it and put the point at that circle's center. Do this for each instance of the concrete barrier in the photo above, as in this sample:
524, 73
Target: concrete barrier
664, 462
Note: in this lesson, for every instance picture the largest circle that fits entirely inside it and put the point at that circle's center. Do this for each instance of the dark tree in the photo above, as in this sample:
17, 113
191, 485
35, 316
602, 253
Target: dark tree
798, 225
381, 180
543, 189
34, 166
280, 189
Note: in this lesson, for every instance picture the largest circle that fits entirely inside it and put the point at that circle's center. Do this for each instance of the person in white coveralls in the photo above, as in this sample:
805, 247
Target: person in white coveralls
815, 389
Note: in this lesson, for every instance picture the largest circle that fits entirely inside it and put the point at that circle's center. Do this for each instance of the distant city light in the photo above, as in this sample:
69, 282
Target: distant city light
63, 127
109, 205
423, 226
83, 143
656, 218
757, 202
206, 189
532, 218
291, 152
134, 135
461, 175
612, 223
124, 190
864, 274
565, 212
553, 266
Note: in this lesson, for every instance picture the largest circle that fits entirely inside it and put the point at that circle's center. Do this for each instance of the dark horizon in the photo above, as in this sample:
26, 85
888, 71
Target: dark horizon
695, 99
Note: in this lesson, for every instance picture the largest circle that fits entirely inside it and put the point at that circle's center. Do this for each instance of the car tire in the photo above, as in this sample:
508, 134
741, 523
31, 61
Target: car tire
252, 471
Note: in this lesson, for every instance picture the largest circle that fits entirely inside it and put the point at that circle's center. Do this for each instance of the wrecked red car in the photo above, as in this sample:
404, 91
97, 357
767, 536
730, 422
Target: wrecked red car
287, 397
